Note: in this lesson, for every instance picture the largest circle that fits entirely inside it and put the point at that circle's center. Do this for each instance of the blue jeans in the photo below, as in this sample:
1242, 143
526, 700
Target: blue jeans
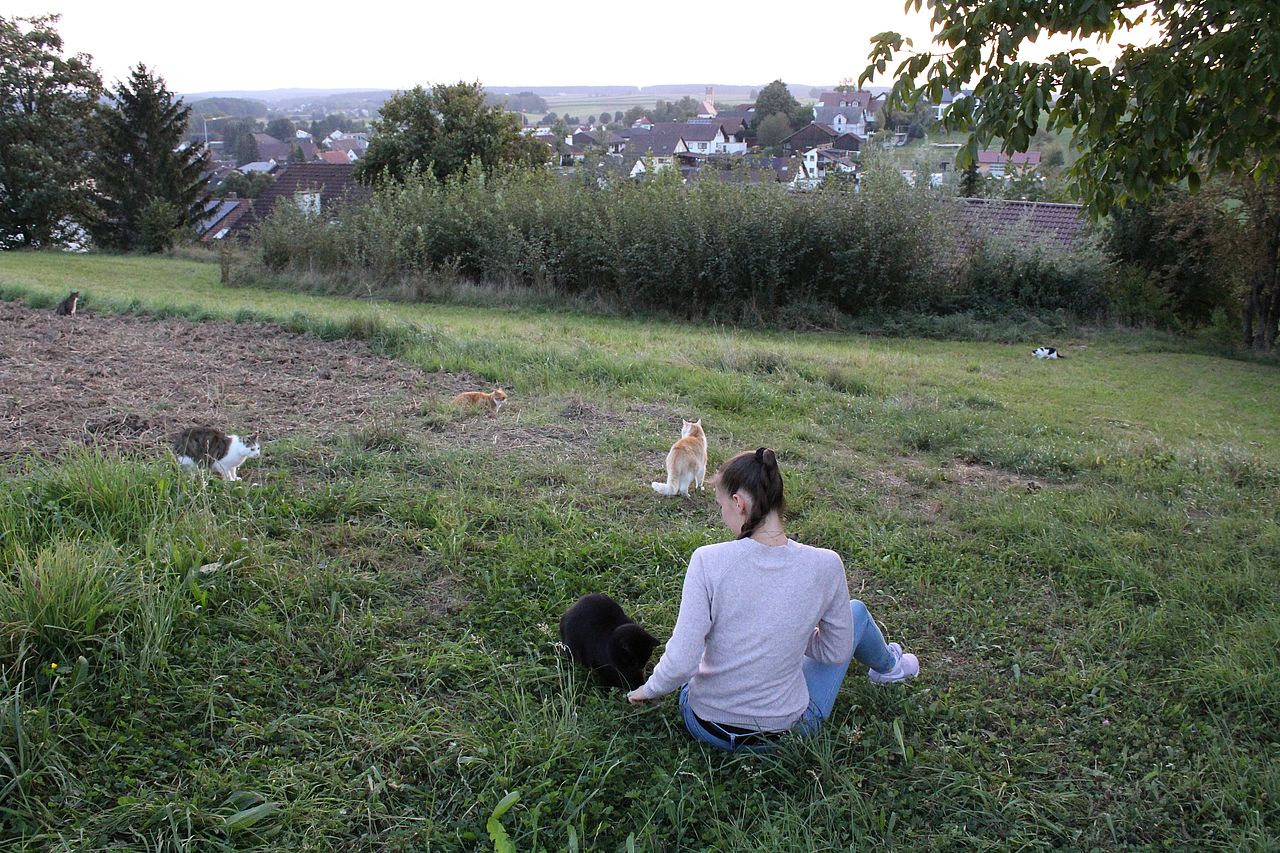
822, 679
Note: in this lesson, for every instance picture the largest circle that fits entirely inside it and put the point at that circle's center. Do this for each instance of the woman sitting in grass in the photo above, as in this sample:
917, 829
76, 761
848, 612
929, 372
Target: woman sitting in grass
766, 626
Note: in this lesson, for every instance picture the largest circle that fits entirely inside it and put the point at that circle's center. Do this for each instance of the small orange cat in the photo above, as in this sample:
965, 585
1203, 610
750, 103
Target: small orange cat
687, 461
492, 400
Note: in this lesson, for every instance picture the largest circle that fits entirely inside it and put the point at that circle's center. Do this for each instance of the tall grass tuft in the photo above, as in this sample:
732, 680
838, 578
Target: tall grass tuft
62, 600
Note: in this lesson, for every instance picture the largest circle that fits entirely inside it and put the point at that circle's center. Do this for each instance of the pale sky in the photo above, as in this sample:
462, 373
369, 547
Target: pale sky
396, 45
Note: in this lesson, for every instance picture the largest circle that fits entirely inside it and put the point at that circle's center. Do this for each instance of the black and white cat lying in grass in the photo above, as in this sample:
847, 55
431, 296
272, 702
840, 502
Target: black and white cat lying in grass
215, 449
1046, 352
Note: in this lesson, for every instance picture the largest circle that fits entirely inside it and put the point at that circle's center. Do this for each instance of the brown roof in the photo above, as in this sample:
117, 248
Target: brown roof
658, 142
1027, 158
861, 98
1056, 225
813, 130
348, 145
334, 181
334, 157
270, 148
732, 121
701, 132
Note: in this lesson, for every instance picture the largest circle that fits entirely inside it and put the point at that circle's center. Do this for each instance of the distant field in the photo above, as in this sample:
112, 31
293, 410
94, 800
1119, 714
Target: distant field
584, 106
355, 648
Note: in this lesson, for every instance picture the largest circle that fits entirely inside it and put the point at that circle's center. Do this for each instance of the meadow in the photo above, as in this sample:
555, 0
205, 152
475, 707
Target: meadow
356, 647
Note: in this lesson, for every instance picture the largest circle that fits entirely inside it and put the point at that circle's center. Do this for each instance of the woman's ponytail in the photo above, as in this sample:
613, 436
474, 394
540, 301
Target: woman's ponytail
757, 475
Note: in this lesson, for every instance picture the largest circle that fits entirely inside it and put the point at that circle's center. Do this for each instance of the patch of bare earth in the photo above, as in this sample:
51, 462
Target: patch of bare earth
129, 383
576, 426
912, 485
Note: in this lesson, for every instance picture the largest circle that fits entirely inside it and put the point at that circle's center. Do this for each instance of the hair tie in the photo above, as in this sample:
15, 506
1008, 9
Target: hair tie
760, 455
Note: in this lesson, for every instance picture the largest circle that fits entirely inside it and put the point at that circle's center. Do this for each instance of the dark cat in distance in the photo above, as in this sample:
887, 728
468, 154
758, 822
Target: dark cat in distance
601, 637
67, 307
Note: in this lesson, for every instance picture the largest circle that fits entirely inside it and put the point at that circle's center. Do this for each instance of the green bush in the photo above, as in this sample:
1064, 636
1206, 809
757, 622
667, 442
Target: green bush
708, 248
1004, 273
1185, 244
1136, 299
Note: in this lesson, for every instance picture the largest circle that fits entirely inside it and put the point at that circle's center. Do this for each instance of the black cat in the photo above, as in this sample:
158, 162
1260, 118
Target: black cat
602, 638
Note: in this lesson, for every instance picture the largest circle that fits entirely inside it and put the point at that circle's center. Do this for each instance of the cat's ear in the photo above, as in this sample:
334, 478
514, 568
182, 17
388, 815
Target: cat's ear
252, 440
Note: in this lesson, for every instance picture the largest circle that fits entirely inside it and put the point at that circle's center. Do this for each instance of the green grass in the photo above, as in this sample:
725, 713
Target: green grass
360, 652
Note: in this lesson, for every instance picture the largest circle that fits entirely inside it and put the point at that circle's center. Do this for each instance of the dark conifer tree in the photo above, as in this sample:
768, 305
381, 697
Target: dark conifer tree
143, 161
971, 182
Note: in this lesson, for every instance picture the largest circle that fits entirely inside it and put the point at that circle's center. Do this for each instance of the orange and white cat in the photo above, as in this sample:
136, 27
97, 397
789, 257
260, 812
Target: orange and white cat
687, 461
491, 400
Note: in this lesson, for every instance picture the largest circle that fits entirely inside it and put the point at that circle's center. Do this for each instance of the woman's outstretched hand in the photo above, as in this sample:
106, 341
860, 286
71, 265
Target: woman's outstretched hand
638, 697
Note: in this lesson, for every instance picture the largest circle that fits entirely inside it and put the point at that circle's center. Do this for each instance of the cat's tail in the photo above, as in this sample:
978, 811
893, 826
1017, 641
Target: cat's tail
664, 488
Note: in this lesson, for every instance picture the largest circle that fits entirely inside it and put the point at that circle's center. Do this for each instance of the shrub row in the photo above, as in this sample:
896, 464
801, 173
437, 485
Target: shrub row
708, 248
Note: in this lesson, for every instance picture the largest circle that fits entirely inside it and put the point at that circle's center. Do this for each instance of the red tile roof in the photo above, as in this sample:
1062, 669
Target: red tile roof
1056, 225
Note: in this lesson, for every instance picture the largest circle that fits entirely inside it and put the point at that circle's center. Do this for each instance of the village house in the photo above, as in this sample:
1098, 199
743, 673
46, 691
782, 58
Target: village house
822, 136
270, 148
750, 169
316, 189
337, 157
848, 112
265, 166
818, 163
659, 147
734, 124
615, 143
354, 145
997, 164
707, 138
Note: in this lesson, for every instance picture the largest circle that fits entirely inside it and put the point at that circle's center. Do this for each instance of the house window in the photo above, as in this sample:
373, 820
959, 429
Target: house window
308, 202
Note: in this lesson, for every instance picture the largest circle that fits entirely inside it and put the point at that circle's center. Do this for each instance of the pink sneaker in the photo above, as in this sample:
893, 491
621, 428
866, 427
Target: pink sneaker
907, 666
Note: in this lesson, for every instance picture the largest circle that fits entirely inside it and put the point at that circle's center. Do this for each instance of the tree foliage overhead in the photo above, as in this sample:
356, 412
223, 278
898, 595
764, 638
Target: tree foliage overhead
46, 102
142, 161
1201, 99
443, 130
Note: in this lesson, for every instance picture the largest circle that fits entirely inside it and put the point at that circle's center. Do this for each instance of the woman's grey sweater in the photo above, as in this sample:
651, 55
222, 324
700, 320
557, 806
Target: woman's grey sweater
749, 612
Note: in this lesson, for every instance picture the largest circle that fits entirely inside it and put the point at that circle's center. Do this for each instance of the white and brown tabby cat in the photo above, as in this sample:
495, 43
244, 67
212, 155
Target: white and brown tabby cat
491, 400
67, 307
686, 462
215, 449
